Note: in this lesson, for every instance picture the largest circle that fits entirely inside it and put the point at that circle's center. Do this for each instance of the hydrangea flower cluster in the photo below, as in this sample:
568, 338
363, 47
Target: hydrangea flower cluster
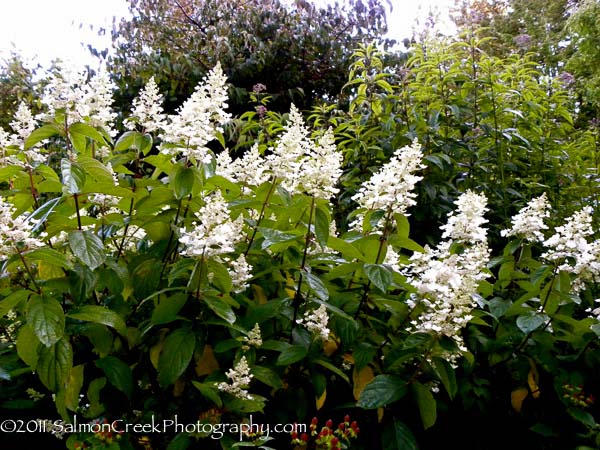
199, 119
147, 111
391, 188
68, 89
215, 234
249, 170
240, 378
15, 233
240, 272
304, 166
529, 222
316, 322
445, 279
569, 245
23, 125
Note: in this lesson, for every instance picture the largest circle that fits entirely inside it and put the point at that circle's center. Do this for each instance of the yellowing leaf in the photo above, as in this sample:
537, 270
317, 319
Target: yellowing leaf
329, 347
380, 412
348, 358
516, 398
178, 388
207, 363
321, 399
157, 348
290, 288
532, 381
360, 379
259, 294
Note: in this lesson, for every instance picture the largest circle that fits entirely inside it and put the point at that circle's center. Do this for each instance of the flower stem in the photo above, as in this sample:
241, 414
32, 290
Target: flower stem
261, 215
28, 270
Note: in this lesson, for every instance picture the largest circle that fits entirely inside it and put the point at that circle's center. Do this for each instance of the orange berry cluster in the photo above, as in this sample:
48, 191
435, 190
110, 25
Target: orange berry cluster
577, 396
328, 438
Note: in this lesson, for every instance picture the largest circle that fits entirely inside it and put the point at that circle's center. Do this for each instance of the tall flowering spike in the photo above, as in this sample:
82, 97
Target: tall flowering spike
529, 222
23, 125
322, 168
249, 170
570, 246
253, 339
147, 111
391, 188
240, 378
199, 119
15, 233
215, 233
465, 224
68, 90
240, 272
285, 160
316, 322
446, 281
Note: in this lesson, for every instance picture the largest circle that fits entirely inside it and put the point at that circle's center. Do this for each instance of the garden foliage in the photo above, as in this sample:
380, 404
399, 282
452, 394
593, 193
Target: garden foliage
149, 272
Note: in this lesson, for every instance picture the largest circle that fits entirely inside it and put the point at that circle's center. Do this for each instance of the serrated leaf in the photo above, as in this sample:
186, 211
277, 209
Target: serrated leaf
13, 300
83, 129
380, 275
54, 364
118, 373
28, 346
397, 436
426, 403
50, 256
44, 132
87, 247
292, 354
101, 315
531, 321
209, 392
167, 309
183, 182
73, 176
267, 376
317, 286
348, 251
46, 318
220, 308
382, 391
176, 355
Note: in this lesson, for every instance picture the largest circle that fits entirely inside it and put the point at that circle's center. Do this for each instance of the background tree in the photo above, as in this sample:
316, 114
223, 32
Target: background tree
300, 52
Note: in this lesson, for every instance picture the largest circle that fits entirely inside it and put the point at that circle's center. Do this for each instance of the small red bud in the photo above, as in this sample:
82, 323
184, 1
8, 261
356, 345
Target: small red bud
329, 423
314, 421
346, 418
304, 437
353, 425
341, 426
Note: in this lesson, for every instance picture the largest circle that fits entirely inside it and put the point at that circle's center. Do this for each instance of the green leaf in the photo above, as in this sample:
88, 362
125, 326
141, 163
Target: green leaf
176, 355
240, 405
13, 300
101, 315
348, 251
130, 139
220, 308
267, 376
74, 385
183, 181
87, 247
98, 171
54, 364
44, 132
317, 286
50, 256
426, 403
180, 442
208, 391
144, 278
28, 346
322, 222
397, 436
85, 130
531, 321
167, 309
220, 276
118, 373
446, 375
380, 275
93, 395
382, 391
73, 176
291, 354
46, 318
276, 237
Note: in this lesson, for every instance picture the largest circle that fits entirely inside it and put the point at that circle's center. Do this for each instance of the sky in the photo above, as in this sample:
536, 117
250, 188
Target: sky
42, 30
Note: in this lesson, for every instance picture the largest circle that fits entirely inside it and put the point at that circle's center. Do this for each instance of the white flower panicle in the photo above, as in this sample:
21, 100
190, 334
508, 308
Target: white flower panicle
215, 233
570, 246
316, 322
240, 378
147, 110
15, 233
240, 272
23, 125
68, 89
465, 224
529, 222
392, 186
253, 339
445, 280
302, 165
249, 170
199, 119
